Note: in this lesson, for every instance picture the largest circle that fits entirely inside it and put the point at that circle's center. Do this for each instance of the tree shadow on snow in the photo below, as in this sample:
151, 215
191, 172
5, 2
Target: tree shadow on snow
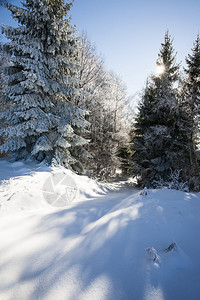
95, 250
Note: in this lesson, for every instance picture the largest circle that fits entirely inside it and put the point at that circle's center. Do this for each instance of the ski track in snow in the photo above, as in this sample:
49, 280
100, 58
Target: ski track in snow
95, 248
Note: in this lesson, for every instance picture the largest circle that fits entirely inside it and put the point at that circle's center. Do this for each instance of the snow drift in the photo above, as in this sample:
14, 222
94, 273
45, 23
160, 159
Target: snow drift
95, 247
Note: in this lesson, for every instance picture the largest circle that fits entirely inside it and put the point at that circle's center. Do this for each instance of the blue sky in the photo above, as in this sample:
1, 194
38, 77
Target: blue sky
128, 33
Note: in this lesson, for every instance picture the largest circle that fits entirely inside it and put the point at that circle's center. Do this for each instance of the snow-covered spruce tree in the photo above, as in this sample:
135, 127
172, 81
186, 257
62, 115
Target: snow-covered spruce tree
3, 105
1, 79
1, 102
162, 136
41, 84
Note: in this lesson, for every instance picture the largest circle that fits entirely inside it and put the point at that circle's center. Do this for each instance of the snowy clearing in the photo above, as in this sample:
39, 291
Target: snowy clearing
96, 246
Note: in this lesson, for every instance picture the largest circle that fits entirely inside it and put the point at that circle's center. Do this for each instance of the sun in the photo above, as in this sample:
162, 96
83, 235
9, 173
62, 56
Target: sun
160, 69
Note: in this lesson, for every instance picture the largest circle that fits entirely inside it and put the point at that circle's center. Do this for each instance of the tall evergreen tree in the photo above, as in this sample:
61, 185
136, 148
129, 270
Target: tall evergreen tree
1, 83
3, 105
162, 139
166, 63
1, 102
41, 84
192, 84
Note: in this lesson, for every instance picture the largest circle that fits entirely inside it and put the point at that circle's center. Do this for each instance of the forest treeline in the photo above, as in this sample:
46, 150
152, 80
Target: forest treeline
59, 104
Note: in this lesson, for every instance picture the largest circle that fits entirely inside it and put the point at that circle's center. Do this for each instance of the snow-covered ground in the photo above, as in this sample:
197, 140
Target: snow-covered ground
94, 247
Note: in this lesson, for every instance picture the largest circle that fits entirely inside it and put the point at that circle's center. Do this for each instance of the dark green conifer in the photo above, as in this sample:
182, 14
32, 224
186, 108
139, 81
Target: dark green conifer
192, 86
162, 140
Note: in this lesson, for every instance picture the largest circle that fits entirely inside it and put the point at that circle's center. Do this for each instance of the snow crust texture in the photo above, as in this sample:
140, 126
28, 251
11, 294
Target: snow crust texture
96, 246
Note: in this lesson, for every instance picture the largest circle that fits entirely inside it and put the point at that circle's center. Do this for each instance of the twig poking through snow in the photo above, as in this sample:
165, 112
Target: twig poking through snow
144, 192
171, 246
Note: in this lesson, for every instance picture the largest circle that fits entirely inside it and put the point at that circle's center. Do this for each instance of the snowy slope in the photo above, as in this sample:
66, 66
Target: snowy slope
22, 185
95, 247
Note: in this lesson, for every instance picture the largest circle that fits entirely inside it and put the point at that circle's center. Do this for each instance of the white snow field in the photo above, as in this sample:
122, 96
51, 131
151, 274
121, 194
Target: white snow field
94, 247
